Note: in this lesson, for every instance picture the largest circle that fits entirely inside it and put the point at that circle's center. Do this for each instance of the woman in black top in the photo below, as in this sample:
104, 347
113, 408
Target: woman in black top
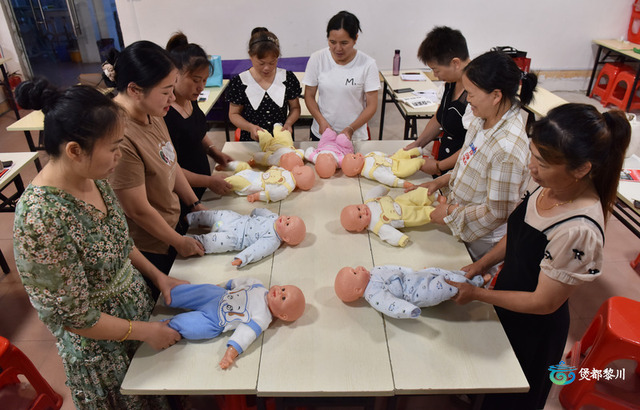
444, 50
263, 95
187, 123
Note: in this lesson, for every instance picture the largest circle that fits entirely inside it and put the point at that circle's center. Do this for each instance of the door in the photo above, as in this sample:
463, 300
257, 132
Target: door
64, 38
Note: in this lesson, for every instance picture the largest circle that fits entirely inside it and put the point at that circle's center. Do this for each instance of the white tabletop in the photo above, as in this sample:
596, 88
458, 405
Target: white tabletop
20, 160
337, 349
395, 82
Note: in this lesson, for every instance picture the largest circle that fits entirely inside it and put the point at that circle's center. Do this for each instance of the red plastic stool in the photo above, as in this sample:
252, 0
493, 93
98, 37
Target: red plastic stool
614, 334
609, 72
13, 362
619, 96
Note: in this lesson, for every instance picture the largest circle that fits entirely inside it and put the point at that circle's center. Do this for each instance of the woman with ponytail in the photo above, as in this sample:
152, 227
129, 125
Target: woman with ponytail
554, 240
187, 123
490, 174
74, 255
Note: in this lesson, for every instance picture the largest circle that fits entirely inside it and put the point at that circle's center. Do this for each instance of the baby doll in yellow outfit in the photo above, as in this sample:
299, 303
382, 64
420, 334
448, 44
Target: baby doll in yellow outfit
273, 185
384, 215
388, 170
278, 149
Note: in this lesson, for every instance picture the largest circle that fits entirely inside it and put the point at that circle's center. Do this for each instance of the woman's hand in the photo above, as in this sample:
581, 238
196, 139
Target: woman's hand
348, 132
188, 246
322, 126
411, 146
218, 185
466, 292
220, 157
165, 283
432, 186
441, 211
474, 269
159, 335
254, 132
288, 127
430, 167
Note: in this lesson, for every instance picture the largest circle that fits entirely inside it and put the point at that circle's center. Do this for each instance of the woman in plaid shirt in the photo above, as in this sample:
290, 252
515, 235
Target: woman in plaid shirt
491, 173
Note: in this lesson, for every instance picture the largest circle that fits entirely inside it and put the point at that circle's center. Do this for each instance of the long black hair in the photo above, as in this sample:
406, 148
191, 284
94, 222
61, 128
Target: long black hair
79, 114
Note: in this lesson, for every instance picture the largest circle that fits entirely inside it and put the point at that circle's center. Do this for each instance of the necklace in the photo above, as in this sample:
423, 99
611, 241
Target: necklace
554, 205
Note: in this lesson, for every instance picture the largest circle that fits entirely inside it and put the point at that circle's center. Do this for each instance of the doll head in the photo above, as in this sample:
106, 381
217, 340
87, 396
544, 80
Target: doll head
326, 165
290, 160
286, 302
351, 283
352, 164
304, 176
291, 229
355, 218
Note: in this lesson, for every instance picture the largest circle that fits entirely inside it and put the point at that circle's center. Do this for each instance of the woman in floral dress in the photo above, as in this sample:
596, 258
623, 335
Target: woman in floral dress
74, 254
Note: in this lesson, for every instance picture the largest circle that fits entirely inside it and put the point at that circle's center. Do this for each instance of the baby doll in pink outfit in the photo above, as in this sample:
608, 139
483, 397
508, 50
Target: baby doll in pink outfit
331, 150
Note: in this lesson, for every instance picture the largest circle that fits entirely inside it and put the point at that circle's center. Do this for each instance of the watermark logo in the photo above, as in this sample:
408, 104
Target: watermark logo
561, 374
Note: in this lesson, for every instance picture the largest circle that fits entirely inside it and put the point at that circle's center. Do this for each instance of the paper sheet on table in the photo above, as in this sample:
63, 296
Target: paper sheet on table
413, 77
204, 95
431, 95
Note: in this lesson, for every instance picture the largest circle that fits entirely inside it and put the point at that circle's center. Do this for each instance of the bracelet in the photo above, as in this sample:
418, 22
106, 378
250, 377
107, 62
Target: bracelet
209, 147
193, 205
351, 128
438, 167
128, 332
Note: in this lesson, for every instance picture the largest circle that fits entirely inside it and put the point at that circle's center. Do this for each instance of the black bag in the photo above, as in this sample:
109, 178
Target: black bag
510, 51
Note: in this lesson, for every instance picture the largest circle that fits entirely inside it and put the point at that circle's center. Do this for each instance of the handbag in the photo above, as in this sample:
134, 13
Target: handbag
215, 79
519, 56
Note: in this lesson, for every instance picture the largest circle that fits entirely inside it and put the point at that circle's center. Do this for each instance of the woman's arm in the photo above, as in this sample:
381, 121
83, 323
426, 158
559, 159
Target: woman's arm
236, 118
137, 207
371, 100
158, 334
312, 105
215, 182
185, 192
218, 156
548, 296
294, 114
163, 282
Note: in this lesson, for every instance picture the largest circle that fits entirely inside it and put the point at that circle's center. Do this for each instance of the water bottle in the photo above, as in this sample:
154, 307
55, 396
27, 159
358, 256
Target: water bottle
396, 63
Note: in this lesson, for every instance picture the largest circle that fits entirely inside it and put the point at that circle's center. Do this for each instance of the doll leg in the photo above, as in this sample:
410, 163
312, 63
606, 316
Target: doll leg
195, 296
432, 290
406, 167
217, 242
238, 183
261, 157
195, 325
211, 219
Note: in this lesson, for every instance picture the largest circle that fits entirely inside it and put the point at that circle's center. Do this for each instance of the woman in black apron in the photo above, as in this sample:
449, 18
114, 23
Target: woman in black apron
445, 51
576, 158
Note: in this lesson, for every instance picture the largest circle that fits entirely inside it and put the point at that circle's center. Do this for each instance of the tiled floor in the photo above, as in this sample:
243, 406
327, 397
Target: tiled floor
20, 324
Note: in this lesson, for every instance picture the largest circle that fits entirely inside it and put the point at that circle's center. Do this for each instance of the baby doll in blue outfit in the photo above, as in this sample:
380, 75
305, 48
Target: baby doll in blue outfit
397, 291
243, 305
258, 235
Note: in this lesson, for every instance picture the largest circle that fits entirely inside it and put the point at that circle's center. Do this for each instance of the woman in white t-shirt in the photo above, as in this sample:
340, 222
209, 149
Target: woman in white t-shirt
345, 81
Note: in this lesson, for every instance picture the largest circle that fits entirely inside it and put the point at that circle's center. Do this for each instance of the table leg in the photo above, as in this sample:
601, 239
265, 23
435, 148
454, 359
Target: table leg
633, 89
382, 109
407, 126
12, 101
595, 67
4, 264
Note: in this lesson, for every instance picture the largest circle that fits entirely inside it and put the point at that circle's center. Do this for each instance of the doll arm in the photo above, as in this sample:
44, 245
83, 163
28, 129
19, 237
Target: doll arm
242, 282
263, 247
228, 358
387, 304
392, 236
376, 192
244, 335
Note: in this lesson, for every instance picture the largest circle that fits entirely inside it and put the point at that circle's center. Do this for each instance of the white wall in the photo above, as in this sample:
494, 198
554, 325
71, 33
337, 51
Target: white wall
556, 33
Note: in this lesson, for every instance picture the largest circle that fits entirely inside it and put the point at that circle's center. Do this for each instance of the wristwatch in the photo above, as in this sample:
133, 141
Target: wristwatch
193, 205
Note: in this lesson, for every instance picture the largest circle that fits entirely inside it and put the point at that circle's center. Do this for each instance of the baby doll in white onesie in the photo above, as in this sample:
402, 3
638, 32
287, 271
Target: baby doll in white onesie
398, 291
278, 149
388, 170
243, 305
272, 185
257, 235
329, 154
384, 215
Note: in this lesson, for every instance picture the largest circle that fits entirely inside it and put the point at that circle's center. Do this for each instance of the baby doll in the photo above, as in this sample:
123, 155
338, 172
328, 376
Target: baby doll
273, 185
243, 305
383, 215
331, 150
259, 234
388, 170
397, 291
277, 149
